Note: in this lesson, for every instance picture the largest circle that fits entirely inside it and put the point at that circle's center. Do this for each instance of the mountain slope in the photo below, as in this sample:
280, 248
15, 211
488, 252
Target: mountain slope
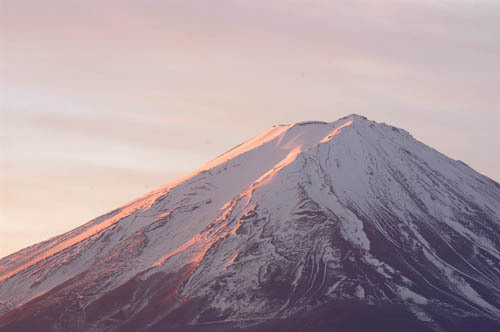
312, 222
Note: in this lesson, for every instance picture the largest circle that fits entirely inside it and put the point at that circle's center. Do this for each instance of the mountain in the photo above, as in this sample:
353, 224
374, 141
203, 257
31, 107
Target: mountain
345, 226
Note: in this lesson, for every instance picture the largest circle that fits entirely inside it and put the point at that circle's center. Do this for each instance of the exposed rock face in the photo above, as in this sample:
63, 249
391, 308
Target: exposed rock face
344, 226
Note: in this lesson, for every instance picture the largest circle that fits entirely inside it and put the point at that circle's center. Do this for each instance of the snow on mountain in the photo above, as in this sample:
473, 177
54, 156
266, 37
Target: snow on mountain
301, 218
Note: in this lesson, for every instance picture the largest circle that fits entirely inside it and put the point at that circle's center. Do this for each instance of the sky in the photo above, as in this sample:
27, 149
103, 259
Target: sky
103, 101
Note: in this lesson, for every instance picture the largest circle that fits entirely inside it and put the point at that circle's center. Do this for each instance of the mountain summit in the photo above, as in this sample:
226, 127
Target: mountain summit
345, 226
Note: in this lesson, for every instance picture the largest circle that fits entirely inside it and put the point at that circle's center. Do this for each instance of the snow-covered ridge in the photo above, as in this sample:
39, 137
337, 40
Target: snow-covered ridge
266, 143
300, 215
272, 146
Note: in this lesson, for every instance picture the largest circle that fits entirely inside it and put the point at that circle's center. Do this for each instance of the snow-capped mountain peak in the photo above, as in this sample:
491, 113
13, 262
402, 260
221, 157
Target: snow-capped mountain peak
302, 217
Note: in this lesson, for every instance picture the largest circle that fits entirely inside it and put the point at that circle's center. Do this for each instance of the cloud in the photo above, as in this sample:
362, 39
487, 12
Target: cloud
163, 86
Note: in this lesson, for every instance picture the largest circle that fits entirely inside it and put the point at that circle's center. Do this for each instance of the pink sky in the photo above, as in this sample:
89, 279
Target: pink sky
102, 101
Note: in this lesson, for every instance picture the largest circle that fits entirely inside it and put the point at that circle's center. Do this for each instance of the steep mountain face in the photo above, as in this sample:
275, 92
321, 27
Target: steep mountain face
344, 226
